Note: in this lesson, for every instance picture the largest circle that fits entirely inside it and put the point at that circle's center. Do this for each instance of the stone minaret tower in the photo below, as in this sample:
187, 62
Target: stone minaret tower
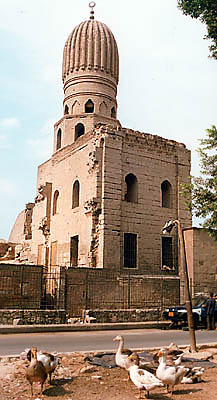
90, 77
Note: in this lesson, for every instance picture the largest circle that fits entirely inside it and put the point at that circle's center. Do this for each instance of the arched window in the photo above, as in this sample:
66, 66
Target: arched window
89, 106
55, 202
79, 130
75, 194
66, 109
166, 194
113, 112
59, 138
131, 192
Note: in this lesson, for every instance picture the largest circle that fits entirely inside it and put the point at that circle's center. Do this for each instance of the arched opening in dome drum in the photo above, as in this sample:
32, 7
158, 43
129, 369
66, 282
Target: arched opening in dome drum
166, 194
59, 139
66, 110
55, 202
131, 189
75, 194
113, 112
89, 107
79, 130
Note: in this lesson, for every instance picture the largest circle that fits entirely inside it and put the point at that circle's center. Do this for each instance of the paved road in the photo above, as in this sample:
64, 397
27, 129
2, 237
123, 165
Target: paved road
13, 344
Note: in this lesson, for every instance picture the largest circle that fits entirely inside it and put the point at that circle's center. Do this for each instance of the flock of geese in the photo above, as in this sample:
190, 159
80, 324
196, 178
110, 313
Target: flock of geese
166, 370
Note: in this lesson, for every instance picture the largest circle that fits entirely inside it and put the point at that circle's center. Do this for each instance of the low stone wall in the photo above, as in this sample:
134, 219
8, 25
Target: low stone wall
32, 317
136, 315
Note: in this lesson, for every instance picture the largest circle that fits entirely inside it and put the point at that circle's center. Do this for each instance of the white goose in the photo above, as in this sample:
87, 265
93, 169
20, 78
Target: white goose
193, 375
170, 375
121, 356
141, 378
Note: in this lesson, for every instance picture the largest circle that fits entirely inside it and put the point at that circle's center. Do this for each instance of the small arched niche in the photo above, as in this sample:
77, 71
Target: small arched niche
79, 130
131, 188
55, 202
75, 194
166, 194
76, 107
59, 139
113, 112
103, 108
89, 107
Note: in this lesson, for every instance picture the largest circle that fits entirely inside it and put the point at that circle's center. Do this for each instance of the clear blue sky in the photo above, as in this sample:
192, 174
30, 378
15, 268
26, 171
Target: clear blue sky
167, 86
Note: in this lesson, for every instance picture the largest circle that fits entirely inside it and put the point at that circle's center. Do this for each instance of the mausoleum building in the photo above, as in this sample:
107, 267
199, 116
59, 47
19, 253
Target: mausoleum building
107, 191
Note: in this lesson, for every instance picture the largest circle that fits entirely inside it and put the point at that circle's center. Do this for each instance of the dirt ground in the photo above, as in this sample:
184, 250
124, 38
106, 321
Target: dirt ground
75, 378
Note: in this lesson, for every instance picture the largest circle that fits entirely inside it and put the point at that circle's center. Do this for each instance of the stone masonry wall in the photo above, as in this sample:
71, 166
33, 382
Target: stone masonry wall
32, 317
135, 315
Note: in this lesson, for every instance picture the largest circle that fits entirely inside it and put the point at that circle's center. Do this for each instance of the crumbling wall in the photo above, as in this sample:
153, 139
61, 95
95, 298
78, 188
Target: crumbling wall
7, 251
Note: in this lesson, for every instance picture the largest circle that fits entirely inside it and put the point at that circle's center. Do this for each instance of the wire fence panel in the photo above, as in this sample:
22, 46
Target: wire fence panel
107, 291
53, 290
20, 287
76, 289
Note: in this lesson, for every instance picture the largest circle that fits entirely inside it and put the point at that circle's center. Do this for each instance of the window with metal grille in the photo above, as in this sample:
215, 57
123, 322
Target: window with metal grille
130, 250
167, 252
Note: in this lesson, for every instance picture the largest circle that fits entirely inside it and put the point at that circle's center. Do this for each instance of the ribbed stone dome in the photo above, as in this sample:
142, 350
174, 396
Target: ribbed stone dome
91, 47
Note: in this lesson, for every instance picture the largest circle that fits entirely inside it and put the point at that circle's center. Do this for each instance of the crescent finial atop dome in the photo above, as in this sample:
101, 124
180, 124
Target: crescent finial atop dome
90, 68
92, 5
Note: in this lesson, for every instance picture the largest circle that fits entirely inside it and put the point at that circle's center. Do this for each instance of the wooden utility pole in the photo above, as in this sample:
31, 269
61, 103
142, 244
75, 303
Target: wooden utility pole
167, 228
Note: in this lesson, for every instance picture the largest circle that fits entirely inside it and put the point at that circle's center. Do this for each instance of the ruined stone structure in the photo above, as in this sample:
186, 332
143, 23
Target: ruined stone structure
201, 252
106, 192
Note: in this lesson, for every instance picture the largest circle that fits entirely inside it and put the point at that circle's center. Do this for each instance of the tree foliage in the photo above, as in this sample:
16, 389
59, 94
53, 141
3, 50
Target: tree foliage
206, 12
201, 193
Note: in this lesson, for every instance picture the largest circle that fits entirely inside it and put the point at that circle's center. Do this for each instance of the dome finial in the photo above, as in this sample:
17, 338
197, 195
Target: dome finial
92, 5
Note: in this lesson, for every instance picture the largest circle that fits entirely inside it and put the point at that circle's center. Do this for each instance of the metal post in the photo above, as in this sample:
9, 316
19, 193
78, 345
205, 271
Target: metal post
86, 290
128, 291
21, 302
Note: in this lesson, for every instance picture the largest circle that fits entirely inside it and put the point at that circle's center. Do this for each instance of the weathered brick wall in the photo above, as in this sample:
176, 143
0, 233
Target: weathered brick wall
100, 160
32, 317
152, 160
201, 251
